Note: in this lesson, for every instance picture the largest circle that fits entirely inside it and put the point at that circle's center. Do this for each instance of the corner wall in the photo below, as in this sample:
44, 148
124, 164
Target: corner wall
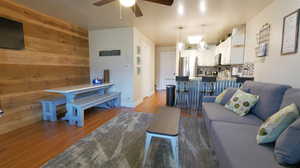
145, 81
121, 67
123, 71
274, 68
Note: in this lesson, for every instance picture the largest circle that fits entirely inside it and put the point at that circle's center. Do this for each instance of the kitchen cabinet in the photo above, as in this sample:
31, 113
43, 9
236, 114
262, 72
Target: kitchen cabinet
189, 53
204, 57
232, 49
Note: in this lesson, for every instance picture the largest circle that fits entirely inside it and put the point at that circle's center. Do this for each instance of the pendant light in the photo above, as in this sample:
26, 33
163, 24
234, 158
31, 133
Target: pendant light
180, 44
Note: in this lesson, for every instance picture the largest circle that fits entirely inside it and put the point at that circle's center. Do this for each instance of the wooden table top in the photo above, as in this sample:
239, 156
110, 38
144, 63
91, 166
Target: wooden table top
166, 122
77, 88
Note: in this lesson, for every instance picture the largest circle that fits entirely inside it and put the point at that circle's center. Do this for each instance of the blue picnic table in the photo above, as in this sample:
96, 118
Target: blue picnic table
81, 97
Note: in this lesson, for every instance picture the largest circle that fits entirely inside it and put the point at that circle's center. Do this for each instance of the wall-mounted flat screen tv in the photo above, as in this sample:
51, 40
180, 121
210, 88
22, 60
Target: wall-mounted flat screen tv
11, 34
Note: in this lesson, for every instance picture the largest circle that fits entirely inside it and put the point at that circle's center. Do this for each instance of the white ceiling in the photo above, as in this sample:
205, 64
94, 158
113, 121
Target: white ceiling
159, 22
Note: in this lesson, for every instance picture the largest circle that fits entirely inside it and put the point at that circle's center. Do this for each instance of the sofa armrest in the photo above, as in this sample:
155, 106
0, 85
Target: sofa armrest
209, 99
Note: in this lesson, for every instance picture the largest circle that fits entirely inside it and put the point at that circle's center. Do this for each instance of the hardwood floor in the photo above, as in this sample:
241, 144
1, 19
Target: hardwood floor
33, 145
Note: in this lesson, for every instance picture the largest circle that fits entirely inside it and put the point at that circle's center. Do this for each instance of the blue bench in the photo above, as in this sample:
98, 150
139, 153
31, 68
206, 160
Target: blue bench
49, 107
80, 104
83, 103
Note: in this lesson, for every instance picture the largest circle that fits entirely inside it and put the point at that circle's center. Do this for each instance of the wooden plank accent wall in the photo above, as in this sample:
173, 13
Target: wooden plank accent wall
56, 54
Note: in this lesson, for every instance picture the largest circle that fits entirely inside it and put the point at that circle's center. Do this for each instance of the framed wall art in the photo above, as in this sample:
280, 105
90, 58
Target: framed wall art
290, 33
263, 40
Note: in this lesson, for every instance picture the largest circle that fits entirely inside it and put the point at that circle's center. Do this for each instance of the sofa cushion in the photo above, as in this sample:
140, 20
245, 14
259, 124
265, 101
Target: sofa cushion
238, 149
217, 112
270, 97
241, 102
220, 97
229, 93
271, 129
287, 148
291, 95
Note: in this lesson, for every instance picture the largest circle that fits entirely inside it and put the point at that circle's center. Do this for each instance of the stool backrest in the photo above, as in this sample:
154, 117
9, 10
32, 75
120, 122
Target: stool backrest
182, 78
243, 79
209, 79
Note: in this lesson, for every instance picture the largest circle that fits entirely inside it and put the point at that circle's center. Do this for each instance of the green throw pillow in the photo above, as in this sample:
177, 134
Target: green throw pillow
220, 97
241, 102
271, 129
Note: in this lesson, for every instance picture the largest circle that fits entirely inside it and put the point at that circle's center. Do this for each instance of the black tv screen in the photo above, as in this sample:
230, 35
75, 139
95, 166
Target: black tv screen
11, 34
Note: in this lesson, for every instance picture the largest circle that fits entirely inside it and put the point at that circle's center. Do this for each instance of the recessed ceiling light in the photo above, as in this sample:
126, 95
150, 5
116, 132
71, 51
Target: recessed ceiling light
202, 6
127, 3
194, 39
180, 9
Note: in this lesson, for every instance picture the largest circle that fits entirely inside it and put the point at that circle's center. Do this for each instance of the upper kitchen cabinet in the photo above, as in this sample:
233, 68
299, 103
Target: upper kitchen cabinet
206, 57
232, 49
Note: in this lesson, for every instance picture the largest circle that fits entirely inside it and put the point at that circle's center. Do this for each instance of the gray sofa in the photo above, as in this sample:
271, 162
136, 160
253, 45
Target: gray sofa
234, 138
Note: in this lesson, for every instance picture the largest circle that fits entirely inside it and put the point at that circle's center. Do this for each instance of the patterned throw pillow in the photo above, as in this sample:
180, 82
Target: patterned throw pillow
220, 97
241, 102
271, 129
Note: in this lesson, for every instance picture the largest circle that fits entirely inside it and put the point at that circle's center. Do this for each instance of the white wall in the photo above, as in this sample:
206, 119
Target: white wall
143, 82
160, 51
121, 67
274, 68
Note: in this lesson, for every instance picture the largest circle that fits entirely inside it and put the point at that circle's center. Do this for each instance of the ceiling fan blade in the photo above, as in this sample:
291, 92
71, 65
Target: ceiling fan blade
137, 10
103, 2
163, 2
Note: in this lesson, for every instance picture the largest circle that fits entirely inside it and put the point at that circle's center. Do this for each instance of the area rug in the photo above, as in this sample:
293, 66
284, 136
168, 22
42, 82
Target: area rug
120, 144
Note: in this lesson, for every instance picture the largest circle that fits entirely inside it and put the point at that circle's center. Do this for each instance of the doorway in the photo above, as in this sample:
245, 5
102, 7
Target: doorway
166, 69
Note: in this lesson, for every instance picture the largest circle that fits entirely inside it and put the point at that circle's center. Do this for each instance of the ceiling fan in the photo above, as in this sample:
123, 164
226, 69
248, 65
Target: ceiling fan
133, 4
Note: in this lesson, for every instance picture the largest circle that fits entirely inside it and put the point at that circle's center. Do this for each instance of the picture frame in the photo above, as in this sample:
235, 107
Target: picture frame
138, 60
290, 33
263, 41
138, 50
138, 70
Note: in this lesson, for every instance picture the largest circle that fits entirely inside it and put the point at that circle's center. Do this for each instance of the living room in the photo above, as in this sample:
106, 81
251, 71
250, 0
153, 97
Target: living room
149, 83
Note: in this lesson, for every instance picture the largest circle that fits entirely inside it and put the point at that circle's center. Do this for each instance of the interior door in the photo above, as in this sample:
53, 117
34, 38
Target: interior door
167, 68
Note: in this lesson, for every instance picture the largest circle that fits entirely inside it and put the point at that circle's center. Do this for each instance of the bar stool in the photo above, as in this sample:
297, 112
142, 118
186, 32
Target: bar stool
242, 80
208, 85
182, 91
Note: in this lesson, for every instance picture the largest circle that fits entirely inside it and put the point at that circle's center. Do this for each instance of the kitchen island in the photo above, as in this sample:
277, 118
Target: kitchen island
190, 93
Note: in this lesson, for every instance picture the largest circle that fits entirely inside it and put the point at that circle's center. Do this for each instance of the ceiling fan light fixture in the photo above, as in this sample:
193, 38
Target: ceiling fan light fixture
127, 3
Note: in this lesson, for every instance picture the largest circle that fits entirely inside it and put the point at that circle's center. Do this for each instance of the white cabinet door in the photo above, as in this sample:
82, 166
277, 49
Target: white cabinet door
216, 60
201, 60
232, 49
238, 36
206, 57
238, 45
238, 40
226, 52
221, 52
237, 55
218, 50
